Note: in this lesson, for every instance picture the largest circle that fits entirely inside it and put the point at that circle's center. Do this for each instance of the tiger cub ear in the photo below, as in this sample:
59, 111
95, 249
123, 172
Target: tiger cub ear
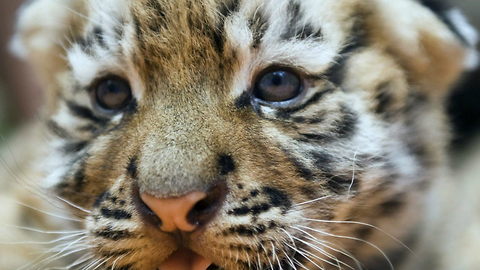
43, 31
429, 38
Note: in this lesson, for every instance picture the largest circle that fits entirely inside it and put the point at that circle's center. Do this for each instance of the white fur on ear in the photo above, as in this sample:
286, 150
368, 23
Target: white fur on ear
456, 17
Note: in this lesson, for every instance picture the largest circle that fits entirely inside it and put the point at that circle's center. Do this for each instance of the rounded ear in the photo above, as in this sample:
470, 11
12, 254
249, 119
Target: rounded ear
430, 39
44, 30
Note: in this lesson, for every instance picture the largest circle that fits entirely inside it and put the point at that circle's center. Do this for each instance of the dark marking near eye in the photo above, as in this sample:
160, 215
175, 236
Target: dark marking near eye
392, 205
441, 8
56, 129
103, 197
132, 168
240, 186
85, 113
114, 235
226, 164
243, 101
116, 214
259, 26
99, 36
278, 198
286, 113
75, 147
254, 193
340, 184
355, 42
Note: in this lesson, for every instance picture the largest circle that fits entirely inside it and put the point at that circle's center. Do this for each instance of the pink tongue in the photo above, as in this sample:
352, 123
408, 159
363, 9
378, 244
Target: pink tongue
185, 259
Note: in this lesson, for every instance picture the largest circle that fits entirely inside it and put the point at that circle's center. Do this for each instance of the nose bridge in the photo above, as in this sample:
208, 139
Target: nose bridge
179, 153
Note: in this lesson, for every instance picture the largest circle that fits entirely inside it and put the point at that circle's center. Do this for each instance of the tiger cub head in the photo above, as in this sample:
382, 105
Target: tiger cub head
262, 134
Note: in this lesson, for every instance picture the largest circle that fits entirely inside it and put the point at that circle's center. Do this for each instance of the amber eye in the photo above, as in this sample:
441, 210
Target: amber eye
278, 86
113, 94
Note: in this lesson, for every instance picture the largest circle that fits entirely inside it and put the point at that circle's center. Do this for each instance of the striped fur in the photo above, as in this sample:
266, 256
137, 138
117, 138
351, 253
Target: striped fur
335, 177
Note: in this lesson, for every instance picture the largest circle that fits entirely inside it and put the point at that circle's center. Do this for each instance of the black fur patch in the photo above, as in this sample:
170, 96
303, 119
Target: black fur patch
85, 113
132, 168
355, 42
79, 177
103, 197
348, 124
99, 36
226, 9
114, 235
323, 161
243, 101
226, 164
258, 26
278, 198
384, 98
285, 113
243, 230
115, 214
85, 43
440, 8
299, 31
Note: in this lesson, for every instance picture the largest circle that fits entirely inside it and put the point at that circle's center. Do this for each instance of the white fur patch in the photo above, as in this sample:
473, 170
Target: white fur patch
472, 58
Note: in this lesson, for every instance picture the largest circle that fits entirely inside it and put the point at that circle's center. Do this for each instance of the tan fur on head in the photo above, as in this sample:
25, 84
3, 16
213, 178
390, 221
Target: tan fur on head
349, 154
432, 55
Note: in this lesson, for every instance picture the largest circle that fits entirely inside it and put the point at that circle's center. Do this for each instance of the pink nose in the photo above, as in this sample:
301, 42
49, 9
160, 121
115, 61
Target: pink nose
175, 213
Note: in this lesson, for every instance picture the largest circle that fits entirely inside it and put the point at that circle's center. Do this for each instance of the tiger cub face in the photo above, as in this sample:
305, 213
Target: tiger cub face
286, 134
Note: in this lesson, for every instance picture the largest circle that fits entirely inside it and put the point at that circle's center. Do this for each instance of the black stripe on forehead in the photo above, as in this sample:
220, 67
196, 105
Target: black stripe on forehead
258, 25
297, 28
158, 13
225, 9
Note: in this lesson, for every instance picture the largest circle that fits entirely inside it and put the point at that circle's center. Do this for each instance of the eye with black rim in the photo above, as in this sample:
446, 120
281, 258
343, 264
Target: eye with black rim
112, 94
278, 86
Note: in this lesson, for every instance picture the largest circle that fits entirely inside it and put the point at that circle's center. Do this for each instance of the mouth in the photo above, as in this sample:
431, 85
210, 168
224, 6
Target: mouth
186, 259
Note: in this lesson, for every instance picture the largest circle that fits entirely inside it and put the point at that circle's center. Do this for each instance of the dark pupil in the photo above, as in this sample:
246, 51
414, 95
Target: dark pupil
113, 94
278, 86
